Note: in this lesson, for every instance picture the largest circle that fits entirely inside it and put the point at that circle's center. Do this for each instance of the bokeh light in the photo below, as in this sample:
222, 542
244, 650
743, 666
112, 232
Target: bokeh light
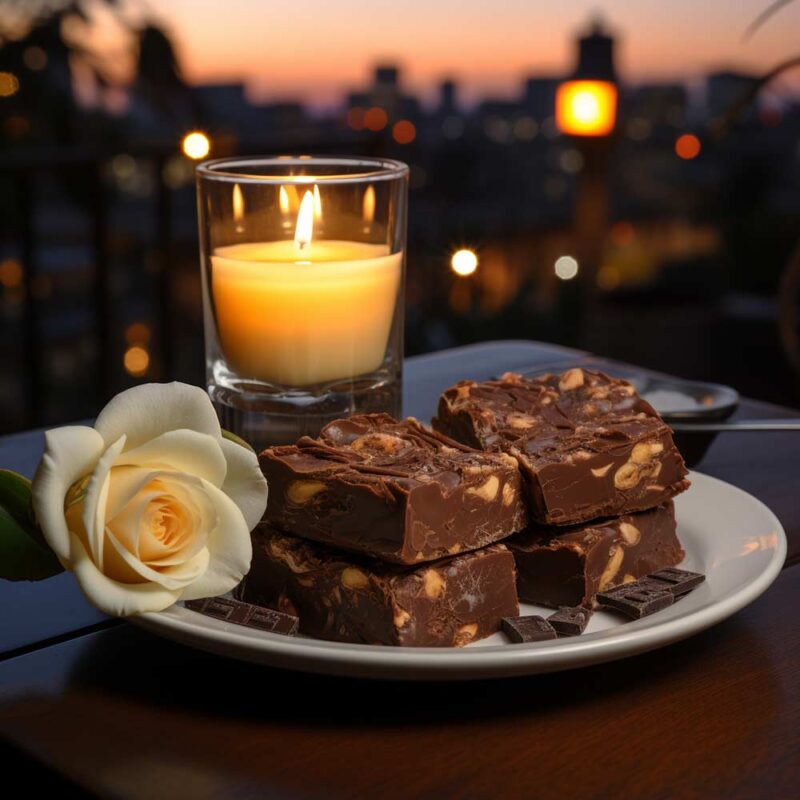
9, 84
404, 132
136, 361
375, 119
464, 262
137, 333
10, 273
687, 146
355, 118
34, 58
196, 145
566, 268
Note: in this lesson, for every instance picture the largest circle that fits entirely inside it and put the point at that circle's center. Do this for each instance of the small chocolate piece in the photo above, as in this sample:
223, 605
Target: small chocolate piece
678, 581
240, 613
350, 598
528, 629
570, 621
588, 446
636, 599
567, 566
393, 490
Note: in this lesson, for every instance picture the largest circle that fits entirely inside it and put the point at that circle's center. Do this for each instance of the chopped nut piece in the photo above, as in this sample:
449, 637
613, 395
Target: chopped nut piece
354, 578
644, 451
509, 495
627, 476
465, 634
612, 568
401, 617
434, 584
630, 533
384, 442
300, 492
571, 379
520, 421
487, 490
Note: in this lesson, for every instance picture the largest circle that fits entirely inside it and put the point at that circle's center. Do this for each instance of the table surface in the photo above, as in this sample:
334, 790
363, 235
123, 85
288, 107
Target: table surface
95, 705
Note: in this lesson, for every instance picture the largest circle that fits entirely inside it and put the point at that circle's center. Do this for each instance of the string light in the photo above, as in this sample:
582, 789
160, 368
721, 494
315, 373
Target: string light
196, 145
464, 262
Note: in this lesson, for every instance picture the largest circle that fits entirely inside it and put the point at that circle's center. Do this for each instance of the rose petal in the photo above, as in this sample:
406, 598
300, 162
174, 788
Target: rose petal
183, 450
245, 483
126, 484
70, 454
190, 496
229, 546
111, 597
145, 412
131, 490
172, 578
94, 504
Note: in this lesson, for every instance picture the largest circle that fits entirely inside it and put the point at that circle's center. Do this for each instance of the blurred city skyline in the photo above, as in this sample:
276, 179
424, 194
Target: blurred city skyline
317, 51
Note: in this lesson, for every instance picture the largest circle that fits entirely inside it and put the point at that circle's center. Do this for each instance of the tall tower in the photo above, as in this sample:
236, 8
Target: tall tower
596, 54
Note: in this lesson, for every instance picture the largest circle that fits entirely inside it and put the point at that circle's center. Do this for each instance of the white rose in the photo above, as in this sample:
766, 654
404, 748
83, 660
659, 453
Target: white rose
152, 505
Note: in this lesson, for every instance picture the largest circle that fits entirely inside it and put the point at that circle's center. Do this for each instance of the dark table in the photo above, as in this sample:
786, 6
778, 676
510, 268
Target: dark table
90, 705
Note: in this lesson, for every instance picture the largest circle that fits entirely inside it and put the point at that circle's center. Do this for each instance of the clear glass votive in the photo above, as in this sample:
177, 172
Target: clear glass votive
303, 263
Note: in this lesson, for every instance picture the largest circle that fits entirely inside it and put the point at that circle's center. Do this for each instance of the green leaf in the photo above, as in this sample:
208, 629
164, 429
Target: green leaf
21, 558
15, 497
16, 501
232, 437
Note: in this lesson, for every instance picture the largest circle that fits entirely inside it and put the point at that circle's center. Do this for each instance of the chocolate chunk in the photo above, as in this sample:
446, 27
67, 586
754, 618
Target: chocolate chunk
528, 629
246, 614
637, 599
567, 566
570, 621
588, 446
350, 598
678, 581
393, 490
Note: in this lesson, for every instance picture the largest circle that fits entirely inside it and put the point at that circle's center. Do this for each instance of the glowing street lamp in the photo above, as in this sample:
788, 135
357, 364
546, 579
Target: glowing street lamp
586, 107
586, 103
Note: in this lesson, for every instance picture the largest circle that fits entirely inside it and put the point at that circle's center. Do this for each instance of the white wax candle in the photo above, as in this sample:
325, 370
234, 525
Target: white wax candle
301, 317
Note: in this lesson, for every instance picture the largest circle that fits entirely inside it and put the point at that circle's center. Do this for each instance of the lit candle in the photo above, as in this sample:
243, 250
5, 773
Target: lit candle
306, 311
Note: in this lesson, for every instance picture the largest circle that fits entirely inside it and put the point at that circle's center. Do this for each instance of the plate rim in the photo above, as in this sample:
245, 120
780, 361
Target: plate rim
444, 663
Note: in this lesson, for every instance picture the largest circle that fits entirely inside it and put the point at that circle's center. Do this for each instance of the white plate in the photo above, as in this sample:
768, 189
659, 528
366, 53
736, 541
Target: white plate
727, 534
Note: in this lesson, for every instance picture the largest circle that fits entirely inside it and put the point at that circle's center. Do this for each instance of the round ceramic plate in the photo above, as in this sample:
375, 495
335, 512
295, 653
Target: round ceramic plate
727, 534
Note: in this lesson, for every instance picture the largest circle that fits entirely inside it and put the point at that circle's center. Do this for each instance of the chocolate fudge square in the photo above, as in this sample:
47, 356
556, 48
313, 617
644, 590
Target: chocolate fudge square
393, 490
588, 445
568, 566
350, 598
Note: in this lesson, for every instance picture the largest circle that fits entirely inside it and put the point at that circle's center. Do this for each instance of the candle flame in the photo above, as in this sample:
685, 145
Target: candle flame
368, 204
305, 222
238, 203
317, 204
283, 200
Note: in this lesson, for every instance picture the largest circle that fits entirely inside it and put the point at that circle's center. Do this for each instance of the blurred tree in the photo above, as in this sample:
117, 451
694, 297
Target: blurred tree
162, 105
41, 61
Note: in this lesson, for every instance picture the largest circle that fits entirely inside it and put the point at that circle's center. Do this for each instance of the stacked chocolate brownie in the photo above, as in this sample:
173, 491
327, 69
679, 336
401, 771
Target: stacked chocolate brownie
385, 532
600, 470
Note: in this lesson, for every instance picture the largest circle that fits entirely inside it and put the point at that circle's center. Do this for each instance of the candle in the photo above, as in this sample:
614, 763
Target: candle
304, 312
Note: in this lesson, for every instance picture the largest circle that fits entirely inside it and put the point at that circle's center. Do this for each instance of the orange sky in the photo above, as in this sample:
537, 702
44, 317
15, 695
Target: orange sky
317, 49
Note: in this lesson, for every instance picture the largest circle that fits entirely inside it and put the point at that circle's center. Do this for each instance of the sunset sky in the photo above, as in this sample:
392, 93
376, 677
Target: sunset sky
318, 49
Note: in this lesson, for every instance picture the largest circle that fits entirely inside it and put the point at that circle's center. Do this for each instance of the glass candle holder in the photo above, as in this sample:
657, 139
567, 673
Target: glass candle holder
303, 263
